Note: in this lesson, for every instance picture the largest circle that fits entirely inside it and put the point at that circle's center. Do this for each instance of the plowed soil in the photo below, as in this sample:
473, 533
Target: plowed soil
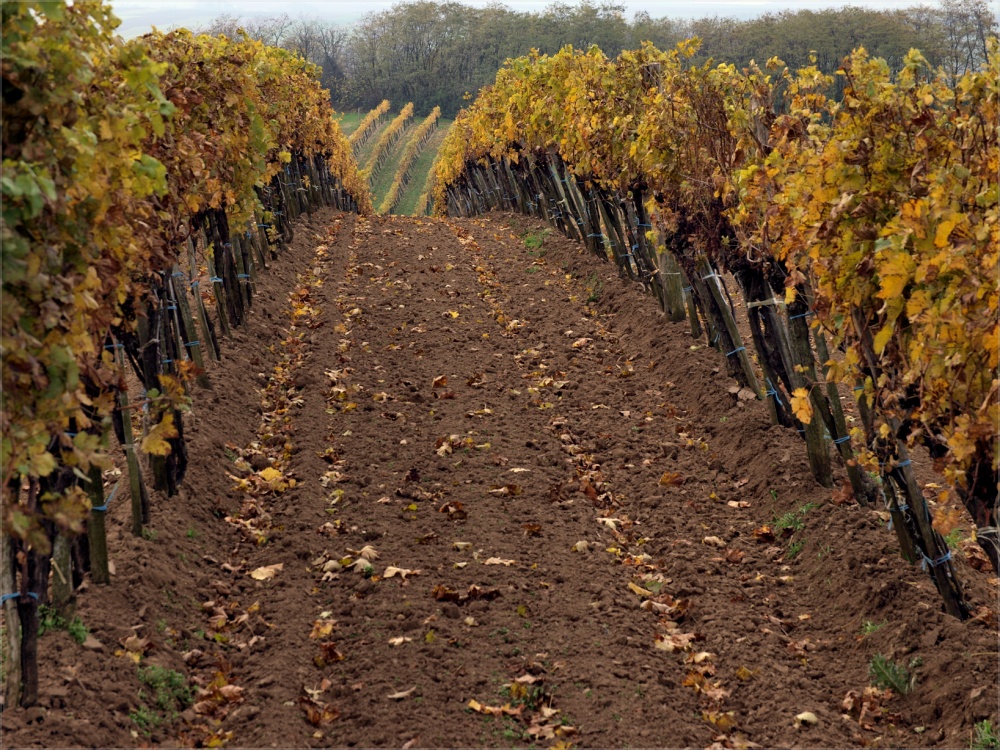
455, 488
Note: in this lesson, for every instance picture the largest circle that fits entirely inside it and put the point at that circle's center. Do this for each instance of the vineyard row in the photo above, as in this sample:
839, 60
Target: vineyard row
146, 185
865, 226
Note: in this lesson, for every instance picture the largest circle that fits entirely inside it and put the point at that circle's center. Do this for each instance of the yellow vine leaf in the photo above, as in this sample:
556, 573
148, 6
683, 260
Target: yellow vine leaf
155, 442
801, 407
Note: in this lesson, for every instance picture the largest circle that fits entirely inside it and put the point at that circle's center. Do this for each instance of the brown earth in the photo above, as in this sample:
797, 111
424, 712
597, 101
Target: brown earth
465, 409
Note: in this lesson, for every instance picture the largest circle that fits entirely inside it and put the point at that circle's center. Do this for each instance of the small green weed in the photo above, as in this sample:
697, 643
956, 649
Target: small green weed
534, 240
169, 690
149, 534
788, 521
533, 269
868, 627
50, 620
191, 534
794, 548
145, 718
953, 538
887, 674
984, 736
594, 287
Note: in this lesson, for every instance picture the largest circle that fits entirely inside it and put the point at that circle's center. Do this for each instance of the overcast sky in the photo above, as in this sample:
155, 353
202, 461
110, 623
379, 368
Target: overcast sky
139, 15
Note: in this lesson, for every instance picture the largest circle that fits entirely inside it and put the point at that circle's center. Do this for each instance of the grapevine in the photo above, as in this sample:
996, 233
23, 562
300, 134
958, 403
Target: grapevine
889, 249
368, 125
413, 148
386, 141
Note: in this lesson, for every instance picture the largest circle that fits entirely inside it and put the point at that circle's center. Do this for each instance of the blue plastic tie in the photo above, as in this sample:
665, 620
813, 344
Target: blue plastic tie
737, 350
216, 278
227, 244
772, 392
802, 315
242, 276
688, 289
907, 462
16, 595
114, 346
934, 563
192, 343
648, 226
635, 247
171, 307
70, 434
710, 276
840, 440
859, 388
175, 274
595, 235
107, 500
195, 283
166, 361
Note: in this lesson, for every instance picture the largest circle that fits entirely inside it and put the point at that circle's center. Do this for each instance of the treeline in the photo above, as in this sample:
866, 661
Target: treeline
435, 53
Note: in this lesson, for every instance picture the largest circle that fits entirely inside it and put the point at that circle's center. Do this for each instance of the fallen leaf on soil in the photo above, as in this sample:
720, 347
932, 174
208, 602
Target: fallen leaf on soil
506, 490
461, 546
266, 572
581, 546
724, 721
322, 628
738, 504
455, 511
580, 343
743, 674
806, 718
763, 534
317, 713
734, 555
440, 381
402, 694
713, 541
532, 529
391, 572
499, 561
671, 479
495, 710
644, 593
675, 642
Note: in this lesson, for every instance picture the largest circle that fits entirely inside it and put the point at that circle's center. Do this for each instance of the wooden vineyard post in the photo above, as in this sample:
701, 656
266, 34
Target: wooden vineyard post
672, 281
711, 280
690, 303
12, 621
96, 527
221, 303
193, 346
63, 599
205, 332
804, 363
842, 438
131, 460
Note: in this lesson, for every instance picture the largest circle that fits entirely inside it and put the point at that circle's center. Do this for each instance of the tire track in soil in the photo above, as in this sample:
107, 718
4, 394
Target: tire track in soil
592, 406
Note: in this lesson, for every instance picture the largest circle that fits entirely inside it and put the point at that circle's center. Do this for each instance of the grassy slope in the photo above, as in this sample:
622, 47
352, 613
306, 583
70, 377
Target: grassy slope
421, 166
384, 180
349, 121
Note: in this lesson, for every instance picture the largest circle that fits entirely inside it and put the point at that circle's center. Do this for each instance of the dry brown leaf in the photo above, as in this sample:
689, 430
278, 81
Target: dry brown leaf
671, 479
267, 572
398, 696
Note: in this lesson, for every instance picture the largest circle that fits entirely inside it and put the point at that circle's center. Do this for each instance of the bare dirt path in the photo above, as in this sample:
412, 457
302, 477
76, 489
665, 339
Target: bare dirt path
492, 498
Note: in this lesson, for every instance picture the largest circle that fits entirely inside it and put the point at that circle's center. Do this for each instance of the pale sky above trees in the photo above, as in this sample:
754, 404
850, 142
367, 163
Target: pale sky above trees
139, 15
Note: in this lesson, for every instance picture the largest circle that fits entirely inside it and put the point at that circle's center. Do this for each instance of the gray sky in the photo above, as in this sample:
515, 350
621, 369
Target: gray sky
139, 15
